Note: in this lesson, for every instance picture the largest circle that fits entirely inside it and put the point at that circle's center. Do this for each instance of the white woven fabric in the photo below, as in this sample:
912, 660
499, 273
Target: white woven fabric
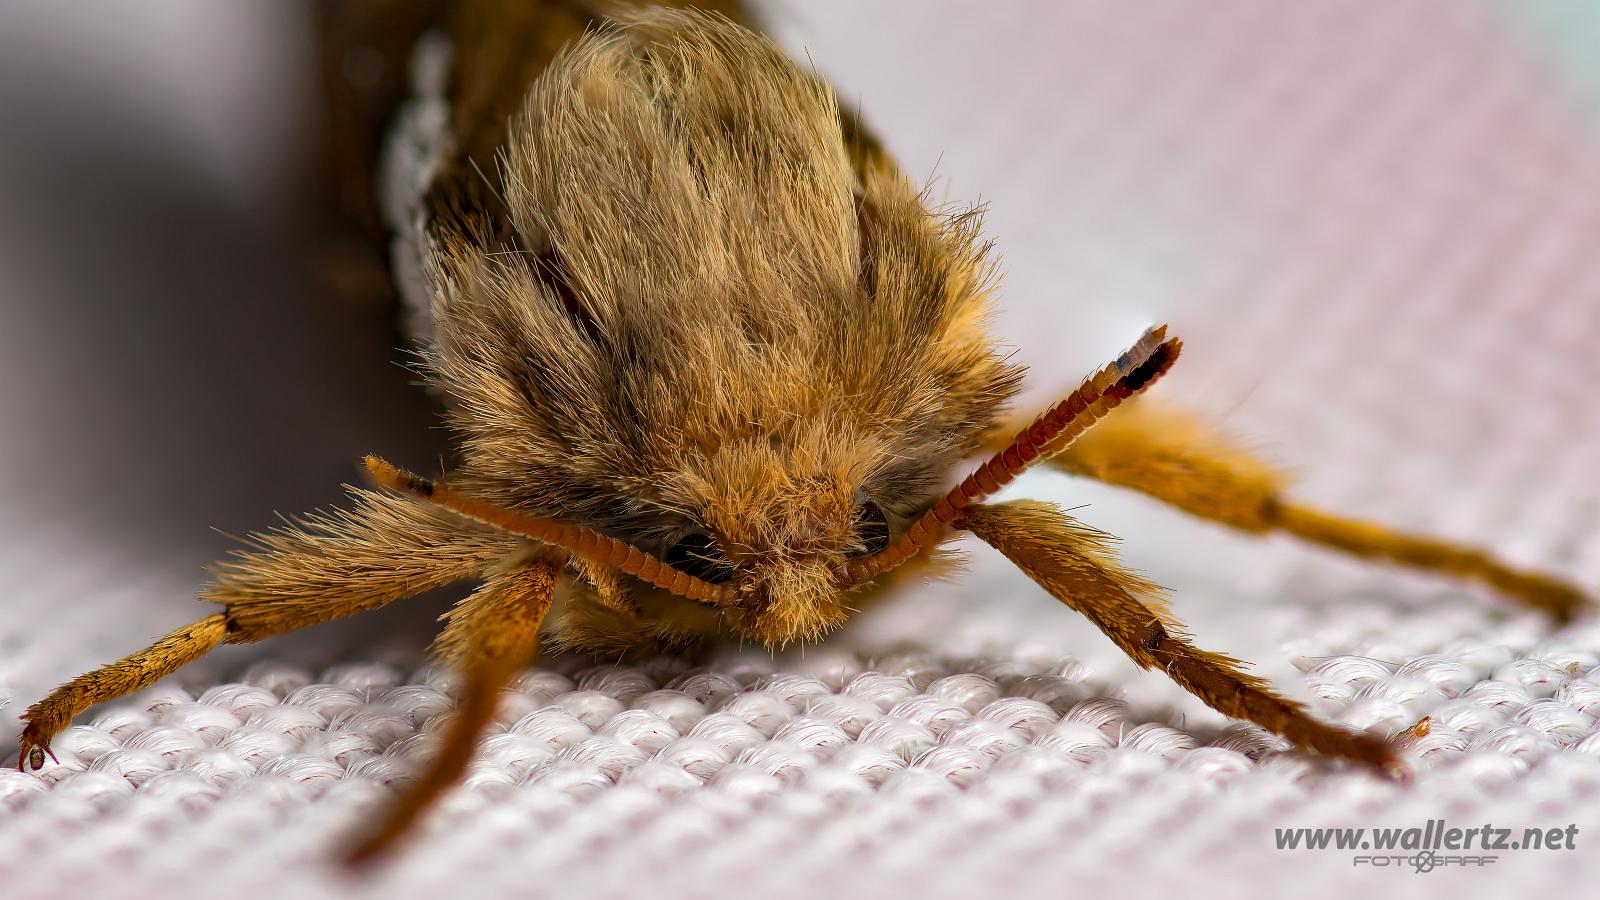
1373, 225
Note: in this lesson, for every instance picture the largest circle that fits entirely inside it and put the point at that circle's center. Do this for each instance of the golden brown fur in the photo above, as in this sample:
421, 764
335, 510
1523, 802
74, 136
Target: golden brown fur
714, 320
333, 564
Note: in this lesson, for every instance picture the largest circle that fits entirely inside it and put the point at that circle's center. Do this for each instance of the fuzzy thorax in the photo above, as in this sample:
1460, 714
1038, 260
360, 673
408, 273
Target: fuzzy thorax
713, 314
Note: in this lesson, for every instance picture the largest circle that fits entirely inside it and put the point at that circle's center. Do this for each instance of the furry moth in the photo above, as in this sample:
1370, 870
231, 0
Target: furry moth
711, 363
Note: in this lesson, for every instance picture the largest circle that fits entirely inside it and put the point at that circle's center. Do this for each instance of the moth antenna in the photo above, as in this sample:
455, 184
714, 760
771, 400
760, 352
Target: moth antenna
1136, 369
575, 539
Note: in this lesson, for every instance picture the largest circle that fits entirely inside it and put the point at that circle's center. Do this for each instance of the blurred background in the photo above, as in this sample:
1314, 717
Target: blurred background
1375, 226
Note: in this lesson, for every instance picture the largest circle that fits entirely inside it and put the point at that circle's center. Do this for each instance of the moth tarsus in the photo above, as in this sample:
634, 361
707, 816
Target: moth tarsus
708, 356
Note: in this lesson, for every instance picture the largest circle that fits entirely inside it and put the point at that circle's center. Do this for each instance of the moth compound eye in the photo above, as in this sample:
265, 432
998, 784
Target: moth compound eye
871, 528
696, 554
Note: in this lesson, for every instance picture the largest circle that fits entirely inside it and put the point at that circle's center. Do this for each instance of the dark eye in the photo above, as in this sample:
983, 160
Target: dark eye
871, 527
696, 554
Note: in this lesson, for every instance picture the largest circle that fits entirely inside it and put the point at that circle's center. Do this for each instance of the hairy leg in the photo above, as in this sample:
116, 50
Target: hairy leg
1182, 461
601, 616
489, 636
333, 564
1073, 563
49, 716
325, 566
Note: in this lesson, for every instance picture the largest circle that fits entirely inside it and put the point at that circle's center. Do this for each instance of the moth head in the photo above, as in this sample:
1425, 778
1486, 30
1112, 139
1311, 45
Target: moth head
777, 516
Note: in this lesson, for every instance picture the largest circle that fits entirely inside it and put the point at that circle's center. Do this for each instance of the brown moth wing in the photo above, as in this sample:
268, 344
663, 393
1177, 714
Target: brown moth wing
363, 50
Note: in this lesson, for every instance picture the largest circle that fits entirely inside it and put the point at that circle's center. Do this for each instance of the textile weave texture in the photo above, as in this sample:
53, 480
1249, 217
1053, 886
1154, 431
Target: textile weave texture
1374, 226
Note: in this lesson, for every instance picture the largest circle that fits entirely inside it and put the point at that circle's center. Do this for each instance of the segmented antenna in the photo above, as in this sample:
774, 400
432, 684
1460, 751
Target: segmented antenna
586, 543
1049, 434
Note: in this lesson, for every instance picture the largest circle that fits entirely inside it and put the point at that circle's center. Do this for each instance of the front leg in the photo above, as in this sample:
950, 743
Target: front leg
324, 566
46, 718
1073, 563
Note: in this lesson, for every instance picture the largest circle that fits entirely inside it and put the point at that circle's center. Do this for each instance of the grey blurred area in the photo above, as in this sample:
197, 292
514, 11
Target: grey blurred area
173, 369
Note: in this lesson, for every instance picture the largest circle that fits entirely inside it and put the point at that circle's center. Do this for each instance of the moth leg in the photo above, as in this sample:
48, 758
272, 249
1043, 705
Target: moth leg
332, 564
1073, 563
1184, 462
489, 636
49, 716
605, 632
324, 566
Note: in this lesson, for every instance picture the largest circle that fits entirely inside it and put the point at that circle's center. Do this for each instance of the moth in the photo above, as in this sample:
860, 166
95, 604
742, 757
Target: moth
711, 363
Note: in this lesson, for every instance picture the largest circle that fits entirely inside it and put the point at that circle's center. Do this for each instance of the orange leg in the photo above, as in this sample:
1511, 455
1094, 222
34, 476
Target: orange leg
1073, 563
1183, 462
490, 635
49, 716
324, 566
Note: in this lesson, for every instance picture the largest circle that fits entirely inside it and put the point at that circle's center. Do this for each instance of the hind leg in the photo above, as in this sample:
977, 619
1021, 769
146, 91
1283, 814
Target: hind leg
1182, 461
